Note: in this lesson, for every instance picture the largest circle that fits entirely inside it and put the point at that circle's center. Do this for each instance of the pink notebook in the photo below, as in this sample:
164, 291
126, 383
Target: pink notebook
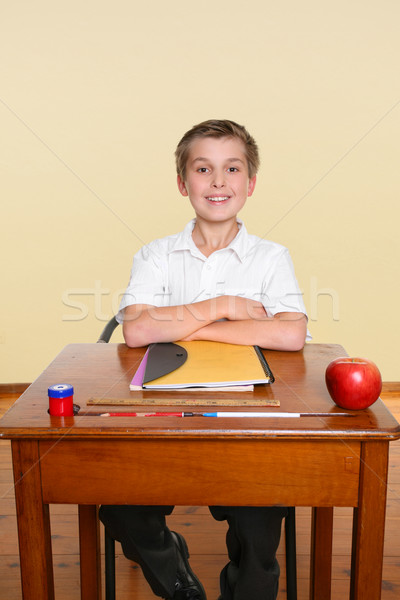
137, 381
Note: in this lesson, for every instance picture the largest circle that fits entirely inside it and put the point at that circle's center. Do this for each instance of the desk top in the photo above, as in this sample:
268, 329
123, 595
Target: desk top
105, 370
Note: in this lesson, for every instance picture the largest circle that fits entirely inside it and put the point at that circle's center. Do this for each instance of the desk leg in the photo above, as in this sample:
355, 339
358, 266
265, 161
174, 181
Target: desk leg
321, 553
89, 542
33, 523
369, 523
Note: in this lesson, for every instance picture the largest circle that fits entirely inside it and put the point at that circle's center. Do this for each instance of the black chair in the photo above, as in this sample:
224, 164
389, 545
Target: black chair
290, 525
108, 331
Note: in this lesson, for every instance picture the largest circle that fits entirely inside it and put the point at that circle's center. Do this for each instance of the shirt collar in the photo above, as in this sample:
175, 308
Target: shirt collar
184, 241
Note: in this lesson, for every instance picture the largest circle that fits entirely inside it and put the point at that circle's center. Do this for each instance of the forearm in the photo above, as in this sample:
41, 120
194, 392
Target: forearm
145, 324
281, 332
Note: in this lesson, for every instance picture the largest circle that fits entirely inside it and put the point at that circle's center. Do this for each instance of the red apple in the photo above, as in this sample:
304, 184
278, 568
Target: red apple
353, 383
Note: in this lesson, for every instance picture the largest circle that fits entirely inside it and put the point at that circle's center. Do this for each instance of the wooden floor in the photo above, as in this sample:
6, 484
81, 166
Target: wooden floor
205, 538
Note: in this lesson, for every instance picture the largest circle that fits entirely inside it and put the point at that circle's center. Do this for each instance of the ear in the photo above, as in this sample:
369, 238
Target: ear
252, 185
182, 186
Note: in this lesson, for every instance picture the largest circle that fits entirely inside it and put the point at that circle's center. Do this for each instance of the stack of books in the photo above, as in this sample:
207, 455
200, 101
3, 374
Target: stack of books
212, 366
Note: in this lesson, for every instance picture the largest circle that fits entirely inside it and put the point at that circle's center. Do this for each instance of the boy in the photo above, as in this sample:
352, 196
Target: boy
213, 281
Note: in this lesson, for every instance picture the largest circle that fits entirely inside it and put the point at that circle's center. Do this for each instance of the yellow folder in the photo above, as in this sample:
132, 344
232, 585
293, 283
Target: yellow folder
215, 364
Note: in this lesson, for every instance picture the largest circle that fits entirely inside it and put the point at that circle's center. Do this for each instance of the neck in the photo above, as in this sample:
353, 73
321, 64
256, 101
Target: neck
210, 237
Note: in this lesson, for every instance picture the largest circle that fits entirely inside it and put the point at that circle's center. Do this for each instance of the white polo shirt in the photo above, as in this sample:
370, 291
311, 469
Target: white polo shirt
172, 271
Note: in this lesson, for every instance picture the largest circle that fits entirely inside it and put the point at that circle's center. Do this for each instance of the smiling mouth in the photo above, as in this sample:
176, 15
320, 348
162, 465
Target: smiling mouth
217, 198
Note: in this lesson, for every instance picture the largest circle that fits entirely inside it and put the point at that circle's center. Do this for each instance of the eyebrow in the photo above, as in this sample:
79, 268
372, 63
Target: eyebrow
204, 159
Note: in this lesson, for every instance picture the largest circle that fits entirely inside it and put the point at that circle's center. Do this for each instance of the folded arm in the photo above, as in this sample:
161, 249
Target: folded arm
144, 324
229, 319
284, 331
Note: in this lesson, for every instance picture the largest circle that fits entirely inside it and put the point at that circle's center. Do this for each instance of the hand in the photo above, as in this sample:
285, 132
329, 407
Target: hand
190, 338
242, 309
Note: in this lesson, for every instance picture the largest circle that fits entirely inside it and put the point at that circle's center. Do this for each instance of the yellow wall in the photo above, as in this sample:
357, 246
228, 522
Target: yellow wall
95, 95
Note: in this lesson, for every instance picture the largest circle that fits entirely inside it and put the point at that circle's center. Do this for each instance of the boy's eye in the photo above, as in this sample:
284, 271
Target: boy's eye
202, 170
232, 170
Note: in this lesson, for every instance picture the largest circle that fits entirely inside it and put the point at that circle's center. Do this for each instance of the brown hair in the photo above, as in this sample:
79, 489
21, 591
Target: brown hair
217, 129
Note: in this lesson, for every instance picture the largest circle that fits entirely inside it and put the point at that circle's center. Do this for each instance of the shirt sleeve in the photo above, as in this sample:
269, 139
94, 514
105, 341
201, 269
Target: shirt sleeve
281, 292
147, 283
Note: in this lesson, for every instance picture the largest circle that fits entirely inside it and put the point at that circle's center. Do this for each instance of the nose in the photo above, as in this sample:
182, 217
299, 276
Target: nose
219, 180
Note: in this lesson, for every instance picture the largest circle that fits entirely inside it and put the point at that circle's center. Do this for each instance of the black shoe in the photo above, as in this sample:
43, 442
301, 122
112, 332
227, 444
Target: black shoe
187, 586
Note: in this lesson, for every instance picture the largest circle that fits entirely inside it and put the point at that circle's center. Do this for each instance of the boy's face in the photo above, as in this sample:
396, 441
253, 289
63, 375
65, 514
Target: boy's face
217, 179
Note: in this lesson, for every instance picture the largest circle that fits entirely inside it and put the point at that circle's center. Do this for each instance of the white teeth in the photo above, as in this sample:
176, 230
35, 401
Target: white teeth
218, 199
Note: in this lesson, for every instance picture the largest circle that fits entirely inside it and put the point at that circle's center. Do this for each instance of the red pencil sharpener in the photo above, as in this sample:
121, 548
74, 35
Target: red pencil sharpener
61, 400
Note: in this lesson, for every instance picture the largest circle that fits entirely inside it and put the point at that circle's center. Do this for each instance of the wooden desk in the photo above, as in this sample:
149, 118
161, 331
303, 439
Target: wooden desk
89, 460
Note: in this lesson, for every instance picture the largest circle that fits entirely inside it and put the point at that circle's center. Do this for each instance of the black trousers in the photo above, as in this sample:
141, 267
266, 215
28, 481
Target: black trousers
252, 539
